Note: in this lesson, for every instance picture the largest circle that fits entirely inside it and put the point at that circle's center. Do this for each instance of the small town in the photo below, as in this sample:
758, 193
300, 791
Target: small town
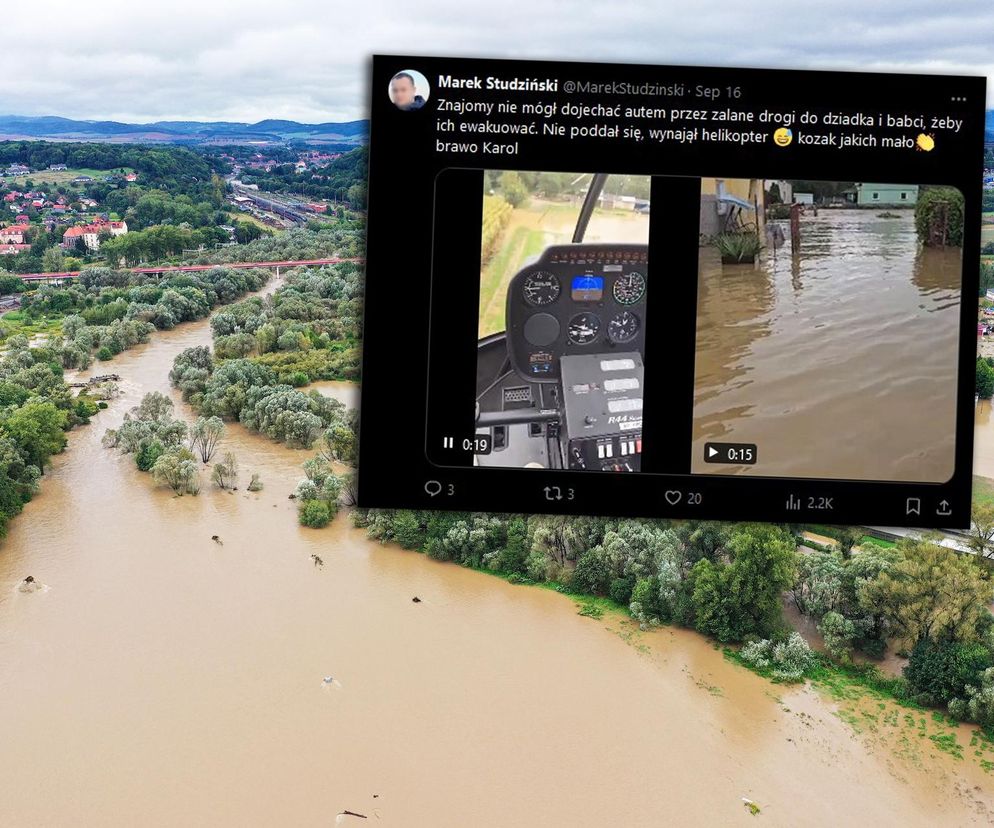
65, 211
69, 212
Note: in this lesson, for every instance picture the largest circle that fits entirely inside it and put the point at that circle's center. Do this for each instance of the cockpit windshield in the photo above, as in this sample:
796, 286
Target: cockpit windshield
525, 212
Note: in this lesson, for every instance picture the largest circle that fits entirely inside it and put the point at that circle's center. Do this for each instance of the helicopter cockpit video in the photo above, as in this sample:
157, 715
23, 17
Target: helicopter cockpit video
561, 386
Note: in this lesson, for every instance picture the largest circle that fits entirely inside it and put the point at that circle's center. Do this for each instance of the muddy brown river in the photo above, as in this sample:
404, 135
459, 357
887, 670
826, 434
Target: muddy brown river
163, 679
838, 362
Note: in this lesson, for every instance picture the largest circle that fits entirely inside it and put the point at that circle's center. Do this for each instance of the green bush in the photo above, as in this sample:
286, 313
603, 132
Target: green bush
592, 573
105, 353
146, 456
314, 513
621, 590
940, 672
737, 247
786, 660
985, 379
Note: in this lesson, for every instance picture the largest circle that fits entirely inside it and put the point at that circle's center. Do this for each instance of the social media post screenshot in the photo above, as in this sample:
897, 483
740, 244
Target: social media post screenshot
670, 291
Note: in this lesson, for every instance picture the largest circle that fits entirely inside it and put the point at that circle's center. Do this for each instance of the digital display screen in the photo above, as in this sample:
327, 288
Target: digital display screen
587, 288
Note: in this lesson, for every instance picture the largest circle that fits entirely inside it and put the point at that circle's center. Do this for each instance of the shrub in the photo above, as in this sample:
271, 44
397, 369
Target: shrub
839, 633
592, 573
314, 513
978, 706
786, 660
644, 605
737, 247
177, 468
621, 590
146, 456
940, 672
105, 353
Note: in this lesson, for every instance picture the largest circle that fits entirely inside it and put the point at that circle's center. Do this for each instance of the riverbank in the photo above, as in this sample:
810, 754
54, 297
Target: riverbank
201, 663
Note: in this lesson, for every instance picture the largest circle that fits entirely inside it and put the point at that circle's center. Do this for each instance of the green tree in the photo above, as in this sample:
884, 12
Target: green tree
513, 188
150, 451
981, 534
742, 597
225, 474
978, 706
849, 536
592, 573
177, 468
938, 672
407, 529
940, 209
205, 436
839, 633
52, 260
37, 428
985, 379
932, 593
515, 552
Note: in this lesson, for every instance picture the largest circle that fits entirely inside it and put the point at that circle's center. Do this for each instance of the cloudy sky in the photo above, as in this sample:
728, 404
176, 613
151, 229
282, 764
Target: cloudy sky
245, 60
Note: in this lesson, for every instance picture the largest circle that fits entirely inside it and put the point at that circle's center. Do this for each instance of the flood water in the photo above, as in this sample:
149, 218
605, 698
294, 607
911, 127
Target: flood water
838, 362
166, 679
983, 440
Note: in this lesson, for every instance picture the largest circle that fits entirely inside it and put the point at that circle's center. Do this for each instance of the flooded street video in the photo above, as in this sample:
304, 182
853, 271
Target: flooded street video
827, 329
563, 285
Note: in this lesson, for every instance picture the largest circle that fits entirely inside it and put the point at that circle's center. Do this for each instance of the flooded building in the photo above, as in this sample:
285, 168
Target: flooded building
886, 195
731, 204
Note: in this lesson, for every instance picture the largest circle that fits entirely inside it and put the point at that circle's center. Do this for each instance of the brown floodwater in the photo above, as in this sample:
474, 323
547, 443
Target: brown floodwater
837, 362
344, 392
983, 440
165, 679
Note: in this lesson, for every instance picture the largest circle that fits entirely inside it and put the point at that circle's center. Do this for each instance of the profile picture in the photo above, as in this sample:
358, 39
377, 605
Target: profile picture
409, 89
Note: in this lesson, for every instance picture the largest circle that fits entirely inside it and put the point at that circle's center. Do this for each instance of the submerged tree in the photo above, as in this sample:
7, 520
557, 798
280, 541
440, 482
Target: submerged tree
177, 468
205, 435
225, 474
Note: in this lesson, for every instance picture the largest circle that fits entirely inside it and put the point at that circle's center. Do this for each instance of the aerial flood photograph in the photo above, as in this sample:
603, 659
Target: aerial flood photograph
199, 626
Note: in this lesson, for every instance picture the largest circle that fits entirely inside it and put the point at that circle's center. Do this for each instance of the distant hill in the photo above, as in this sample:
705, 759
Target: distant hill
182, 132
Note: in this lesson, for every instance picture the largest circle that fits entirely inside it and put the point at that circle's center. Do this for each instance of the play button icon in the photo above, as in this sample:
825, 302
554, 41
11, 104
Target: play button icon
730, 453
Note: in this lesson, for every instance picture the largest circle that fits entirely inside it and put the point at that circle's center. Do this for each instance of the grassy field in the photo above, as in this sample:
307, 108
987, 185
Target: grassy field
50, 178
248, 218
17, 322
983, 490
533, 227
520, 243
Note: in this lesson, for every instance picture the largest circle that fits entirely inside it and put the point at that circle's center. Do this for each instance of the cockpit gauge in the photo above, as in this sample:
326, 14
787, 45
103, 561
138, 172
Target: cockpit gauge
583, 328
541, 288
623, 327
629, 288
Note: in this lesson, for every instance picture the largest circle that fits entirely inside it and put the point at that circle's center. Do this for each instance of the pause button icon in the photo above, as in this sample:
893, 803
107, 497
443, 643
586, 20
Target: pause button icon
448, 442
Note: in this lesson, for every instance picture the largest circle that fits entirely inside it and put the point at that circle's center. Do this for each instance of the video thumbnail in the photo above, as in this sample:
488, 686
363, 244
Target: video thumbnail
827, 330
564, 278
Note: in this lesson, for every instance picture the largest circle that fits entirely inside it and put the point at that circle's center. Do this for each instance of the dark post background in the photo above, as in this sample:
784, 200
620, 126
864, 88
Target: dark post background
400, 417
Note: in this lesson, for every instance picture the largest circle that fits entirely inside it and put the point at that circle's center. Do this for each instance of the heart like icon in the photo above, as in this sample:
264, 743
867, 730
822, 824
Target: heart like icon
673, 497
